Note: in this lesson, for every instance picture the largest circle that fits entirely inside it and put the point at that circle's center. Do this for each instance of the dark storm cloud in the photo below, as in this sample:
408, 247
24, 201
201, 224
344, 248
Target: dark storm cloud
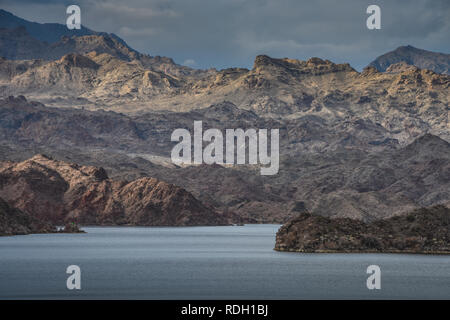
224, 33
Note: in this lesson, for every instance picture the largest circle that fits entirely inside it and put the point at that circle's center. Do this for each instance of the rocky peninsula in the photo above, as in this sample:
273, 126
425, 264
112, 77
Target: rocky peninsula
425, 230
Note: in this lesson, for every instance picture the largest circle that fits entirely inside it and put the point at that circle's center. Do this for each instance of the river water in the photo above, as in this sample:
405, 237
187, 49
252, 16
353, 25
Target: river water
235, 262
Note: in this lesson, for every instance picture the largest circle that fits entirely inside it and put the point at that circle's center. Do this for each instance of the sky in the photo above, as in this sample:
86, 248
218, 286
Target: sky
230, 33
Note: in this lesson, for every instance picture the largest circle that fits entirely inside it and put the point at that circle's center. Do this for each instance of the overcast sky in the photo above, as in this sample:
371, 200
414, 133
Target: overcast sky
230, 33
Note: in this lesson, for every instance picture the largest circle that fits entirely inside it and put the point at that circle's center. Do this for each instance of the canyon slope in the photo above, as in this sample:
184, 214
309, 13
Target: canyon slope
58, 192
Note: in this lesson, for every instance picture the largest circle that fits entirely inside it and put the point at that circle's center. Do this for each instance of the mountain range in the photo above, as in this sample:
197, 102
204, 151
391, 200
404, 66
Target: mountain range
360, 145
14, 222
45, 32
350, 170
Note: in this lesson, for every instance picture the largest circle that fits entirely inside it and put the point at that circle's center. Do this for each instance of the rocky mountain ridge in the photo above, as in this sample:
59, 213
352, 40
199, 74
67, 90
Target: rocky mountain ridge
423, 59
413, 101
95, 71
359, 175
58, 192
426, 230
14, 222
364, 145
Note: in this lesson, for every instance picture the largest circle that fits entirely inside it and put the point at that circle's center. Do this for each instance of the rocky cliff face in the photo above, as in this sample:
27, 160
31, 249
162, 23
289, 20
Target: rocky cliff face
18, 44
57, 192
423, 59
14, 222
424, 230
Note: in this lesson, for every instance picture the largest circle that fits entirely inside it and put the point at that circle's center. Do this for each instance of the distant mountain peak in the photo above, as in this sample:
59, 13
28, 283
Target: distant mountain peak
21, 39
78, 60
314, 65
423, 59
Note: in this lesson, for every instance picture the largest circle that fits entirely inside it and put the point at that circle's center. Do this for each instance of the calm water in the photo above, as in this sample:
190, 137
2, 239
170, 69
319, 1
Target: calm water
204, 263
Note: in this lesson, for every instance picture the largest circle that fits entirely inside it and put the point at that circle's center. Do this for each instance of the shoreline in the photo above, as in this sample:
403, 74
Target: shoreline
409, 252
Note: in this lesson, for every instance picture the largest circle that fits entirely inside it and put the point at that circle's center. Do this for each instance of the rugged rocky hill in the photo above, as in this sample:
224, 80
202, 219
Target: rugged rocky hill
354, 169
43, 32
14, 221
97, 70
274, 87
426, 230
18, 44
22, 39
423, 59
345, 183
57, 192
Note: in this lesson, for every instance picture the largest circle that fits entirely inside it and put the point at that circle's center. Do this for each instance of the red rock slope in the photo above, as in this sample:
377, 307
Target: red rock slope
57, 191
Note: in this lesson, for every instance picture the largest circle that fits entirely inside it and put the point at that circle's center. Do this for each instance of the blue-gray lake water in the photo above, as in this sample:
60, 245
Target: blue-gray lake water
204, 263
